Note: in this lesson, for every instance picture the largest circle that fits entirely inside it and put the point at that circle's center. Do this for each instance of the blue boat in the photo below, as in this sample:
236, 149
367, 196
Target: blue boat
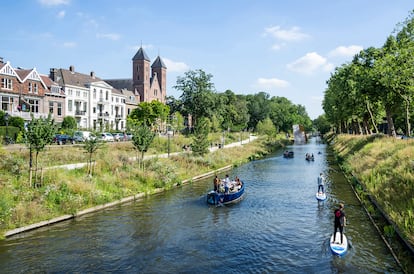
233, 195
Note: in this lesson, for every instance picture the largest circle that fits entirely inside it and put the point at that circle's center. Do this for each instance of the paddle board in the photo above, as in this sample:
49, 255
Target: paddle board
337, 248
320, 196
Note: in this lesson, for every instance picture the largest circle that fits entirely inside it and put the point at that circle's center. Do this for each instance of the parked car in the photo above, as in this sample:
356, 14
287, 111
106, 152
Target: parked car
118, 137
81, 136
62, 139
129, 136
107, 137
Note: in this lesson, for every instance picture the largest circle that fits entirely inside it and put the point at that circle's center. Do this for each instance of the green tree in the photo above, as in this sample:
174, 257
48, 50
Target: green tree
38, 134
91, 145
322, 124
69, 123
259, 108
197, 94
266, 127
177, 122
142, 137
200, 145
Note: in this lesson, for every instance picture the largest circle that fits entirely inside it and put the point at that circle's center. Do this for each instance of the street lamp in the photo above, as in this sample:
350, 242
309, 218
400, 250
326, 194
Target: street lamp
6, 118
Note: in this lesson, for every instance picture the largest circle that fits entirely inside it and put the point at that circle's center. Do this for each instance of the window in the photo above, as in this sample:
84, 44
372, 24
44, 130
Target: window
94, 110
6, 102
77, 93
36, 89
30, 87
51, 107
59, 109
107, 96
34, 105
85, 94
6, 83
70, 105
94, 93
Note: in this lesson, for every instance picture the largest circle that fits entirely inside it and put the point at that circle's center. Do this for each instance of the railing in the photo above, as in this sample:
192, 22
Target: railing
80, 112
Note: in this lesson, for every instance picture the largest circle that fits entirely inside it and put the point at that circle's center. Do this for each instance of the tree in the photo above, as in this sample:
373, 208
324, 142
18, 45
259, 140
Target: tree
142, 137
197, 94
200, 143
91, 145
322, 124
177, 122
38, 134
69, 122
266, 127
259, 108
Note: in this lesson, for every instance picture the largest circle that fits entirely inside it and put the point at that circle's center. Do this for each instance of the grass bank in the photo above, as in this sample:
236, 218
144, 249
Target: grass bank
383, 171
62, 192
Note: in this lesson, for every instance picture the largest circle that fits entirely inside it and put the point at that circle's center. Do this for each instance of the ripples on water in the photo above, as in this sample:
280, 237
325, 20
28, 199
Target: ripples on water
278, 227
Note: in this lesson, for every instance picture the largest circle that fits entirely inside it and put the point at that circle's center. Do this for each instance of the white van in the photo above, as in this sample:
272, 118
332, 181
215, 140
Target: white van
81, 136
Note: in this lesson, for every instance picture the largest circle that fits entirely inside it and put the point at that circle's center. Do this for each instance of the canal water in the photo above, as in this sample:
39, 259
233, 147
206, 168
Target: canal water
279, 227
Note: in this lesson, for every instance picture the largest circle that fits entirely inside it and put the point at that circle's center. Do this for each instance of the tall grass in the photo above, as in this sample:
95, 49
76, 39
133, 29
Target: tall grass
116, 175
386, 169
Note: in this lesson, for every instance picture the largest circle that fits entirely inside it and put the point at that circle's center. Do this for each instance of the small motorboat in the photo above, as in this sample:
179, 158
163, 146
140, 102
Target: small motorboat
234, 194
288, 154
310, 157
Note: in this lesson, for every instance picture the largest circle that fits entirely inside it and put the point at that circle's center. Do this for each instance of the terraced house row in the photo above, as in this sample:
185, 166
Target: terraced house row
98, 104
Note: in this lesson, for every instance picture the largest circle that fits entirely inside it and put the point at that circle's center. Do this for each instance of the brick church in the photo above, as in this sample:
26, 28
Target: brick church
149, 82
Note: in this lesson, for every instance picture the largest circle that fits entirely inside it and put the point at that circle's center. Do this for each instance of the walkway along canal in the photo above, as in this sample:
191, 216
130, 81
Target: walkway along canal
278, 227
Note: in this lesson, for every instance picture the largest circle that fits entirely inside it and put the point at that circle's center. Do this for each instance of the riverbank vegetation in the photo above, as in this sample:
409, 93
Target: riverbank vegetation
116, 175
374, 92
384, 170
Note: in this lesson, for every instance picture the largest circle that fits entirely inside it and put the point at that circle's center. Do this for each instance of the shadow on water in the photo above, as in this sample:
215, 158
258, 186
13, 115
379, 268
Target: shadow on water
279, 226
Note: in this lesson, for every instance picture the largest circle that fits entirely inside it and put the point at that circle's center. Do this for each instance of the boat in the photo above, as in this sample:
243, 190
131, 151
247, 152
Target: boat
321, 196
337, 248
288, 154
234, 194
309, 157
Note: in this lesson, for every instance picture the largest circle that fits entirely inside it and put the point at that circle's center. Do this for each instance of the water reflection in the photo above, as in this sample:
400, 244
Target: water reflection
278, 227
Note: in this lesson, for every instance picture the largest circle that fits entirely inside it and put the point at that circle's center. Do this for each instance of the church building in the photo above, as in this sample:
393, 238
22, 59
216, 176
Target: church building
149, 82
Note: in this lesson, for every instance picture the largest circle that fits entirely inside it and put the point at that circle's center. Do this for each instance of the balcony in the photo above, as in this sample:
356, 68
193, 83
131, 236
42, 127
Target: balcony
80, 113
103, 115
102, 101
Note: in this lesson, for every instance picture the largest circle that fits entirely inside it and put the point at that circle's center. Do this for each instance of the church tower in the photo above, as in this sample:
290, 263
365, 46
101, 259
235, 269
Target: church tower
159, 70
141, 74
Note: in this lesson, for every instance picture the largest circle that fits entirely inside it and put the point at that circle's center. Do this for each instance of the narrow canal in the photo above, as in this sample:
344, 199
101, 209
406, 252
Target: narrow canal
278, 227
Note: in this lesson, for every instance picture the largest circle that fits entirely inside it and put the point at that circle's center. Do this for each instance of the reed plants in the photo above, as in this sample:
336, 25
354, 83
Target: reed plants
385, 168
116, 175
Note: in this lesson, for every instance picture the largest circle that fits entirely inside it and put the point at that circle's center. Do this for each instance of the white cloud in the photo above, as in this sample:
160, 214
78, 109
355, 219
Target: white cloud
173, 66
54, 2
284, 35
69, 44
292, 34
310, 63
343, 51
271, 83
61, 14
110, 36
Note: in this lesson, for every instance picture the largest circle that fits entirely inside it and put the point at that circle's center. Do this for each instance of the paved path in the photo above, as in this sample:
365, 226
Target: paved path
163, 155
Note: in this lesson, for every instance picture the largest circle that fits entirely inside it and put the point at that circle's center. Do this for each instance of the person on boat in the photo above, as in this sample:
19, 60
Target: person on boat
226, 183
340, 221
216, 183
321, 183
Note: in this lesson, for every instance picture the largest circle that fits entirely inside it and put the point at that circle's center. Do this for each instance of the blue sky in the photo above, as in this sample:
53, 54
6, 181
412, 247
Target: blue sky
284, 48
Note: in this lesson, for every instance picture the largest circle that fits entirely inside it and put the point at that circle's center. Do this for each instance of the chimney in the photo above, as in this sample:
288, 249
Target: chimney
52, 74
72, 68
1, 60
93, 75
